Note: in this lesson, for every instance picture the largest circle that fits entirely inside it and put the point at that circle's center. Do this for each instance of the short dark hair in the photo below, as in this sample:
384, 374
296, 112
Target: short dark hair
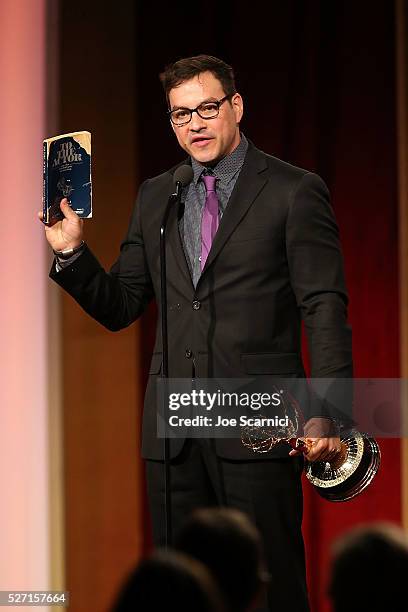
171, 581
369, 563
189, 67
229, 545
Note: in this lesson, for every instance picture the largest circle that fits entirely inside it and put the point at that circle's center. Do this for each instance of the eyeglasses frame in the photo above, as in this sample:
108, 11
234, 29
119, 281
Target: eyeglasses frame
195, 110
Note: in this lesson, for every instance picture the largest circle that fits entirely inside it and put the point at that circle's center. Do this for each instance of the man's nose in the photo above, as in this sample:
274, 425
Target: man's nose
197, 122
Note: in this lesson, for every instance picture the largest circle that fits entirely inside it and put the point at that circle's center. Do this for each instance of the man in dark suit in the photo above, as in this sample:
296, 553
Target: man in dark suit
240, 280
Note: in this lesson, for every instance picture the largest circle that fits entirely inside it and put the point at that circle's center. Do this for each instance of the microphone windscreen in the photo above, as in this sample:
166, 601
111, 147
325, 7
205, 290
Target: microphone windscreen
183, 174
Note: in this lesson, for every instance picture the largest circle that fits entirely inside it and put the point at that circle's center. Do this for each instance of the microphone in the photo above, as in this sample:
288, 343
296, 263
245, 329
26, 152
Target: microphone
181, 178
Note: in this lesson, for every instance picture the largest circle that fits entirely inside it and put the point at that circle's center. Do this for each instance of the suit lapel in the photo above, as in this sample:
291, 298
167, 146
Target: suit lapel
250, 182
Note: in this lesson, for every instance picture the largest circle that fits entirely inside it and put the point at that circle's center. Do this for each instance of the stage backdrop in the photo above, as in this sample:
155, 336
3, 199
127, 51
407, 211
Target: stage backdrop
318, 81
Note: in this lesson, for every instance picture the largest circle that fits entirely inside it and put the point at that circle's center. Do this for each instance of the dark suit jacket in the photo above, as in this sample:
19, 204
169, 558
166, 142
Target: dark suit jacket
275, 260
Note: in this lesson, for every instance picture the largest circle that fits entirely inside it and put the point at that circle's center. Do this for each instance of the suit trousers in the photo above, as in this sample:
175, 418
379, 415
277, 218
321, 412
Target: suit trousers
269, 491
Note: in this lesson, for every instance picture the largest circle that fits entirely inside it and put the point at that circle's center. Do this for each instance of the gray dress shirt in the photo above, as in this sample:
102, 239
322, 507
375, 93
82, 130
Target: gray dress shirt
226, 172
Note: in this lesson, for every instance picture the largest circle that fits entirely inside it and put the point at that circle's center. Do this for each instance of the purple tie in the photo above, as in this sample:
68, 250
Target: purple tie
209, 221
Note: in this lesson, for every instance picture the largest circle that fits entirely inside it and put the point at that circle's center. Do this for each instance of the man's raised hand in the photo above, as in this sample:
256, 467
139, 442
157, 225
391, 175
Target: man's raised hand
65, 234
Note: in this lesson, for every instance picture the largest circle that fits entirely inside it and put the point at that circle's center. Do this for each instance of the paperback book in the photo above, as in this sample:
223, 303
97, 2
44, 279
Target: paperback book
67, 174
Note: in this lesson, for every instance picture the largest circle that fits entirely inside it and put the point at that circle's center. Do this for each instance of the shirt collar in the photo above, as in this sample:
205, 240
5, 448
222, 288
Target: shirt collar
227, 167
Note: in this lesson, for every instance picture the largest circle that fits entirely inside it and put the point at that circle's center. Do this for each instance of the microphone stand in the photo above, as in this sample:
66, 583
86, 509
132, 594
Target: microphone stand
174, 198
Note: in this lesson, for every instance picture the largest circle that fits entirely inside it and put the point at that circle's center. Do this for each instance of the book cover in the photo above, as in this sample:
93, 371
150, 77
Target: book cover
67, 174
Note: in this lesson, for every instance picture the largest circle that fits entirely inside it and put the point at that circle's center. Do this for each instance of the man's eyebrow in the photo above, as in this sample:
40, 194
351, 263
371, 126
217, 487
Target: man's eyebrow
179, 107
211, 99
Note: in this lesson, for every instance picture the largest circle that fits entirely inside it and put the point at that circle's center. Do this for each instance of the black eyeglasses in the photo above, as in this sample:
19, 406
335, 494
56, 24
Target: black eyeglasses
206, 110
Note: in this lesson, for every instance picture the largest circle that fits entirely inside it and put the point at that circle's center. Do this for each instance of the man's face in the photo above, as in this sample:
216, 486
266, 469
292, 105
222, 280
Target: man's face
207, 140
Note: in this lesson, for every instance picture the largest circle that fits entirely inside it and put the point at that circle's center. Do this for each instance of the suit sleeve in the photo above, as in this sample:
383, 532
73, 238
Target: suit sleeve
317, 278
118, 297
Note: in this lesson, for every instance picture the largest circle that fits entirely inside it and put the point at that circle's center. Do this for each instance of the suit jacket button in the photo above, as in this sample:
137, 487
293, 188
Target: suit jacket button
189, 354
196, 305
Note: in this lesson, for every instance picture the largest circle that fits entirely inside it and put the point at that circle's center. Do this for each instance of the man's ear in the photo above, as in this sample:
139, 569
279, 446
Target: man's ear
237, 106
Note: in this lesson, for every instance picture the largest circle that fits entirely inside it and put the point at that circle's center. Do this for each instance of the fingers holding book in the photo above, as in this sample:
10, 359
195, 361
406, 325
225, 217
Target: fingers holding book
65, 234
